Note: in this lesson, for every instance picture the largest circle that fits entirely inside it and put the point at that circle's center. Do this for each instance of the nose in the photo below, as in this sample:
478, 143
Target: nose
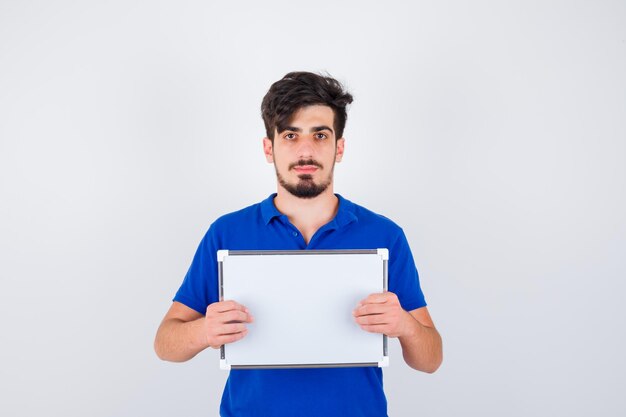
305, 150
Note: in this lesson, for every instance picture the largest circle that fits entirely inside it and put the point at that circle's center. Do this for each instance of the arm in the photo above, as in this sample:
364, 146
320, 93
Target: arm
420, 341
184, 332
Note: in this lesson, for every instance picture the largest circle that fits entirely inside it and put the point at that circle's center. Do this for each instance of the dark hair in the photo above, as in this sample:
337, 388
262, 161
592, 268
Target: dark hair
299, 89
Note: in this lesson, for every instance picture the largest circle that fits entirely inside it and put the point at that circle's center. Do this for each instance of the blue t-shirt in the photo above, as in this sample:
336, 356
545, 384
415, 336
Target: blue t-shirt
325, 392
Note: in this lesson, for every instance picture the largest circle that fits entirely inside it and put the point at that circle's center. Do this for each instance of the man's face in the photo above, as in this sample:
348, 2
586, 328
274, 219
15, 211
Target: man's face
304, 154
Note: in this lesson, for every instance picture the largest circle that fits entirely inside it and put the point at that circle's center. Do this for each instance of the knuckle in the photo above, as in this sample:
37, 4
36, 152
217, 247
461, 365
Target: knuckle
235, 328
240, 316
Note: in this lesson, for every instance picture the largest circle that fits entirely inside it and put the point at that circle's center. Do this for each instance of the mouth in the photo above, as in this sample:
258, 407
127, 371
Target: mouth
305, 169
305, 166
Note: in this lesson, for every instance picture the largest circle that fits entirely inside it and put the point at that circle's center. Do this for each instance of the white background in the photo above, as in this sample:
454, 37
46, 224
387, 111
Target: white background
494, 133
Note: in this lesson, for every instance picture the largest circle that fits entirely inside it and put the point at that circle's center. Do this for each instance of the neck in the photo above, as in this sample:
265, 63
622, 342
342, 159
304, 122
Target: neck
307, 214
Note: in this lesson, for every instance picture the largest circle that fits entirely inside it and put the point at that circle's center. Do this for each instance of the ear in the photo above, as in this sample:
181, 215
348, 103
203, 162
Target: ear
268, 150
340, 148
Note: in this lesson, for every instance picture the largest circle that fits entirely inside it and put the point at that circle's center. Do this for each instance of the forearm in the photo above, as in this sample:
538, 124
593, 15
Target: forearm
179, 341
422, 347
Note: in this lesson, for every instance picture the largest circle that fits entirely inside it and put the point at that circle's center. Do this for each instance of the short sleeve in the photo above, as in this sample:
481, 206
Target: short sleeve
403, 276
200, 286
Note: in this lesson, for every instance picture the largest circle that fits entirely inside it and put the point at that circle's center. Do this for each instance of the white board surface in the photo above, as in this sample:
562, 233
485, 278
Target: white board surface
302, 302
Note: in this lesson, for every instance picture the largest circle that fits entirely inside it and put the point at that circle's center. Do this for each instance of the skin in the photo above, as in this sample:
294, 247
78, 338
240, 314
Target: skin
184, 332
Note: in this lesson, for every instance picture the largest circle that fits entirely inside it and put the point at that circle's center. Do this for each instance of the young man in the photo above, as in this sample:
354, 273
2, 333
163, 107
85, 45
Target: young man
304, 117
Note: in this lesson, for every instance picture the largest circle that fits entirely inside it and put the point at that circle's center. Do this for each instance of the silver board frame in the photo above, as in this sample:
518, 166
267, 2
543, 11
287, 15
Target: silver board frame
381, 360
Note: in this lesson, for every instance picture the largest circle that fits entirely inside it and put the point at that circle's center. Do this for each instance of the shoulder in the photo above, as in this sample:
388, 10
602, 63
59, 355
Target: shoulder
250, 212
236, 219
372, 220
366, 215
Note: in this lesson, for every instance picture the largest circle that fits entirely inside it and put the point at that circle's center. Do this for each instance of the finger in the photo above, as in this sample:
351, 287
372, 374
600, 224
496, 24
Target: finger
377, 298
223, 306
235, 316
372, 319
231, 328
230, 338
375, 328
370, 309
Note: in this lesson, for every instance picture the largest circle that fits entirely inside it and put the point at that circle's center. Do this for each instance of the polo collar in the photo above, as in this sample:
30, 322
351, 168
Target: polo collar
345, 213
269, 210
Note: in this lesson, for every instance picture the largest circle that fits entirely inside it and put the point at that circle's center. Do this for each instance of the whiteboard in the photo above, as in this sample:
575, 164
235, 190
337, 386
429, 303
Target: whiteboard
302, 303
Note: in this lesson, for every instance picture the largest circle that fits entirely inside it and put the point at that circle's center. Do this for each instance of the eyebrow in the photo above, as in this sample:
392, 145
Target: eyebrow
313, 129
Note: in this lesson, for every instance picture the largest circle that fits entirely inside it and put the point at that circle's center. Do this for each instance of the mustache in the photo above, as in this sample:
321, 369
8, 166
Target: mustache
303, 162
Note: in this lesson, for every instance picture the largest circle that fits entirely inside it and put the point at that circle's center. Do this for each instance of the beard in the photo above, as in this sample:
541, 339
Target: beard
305, 187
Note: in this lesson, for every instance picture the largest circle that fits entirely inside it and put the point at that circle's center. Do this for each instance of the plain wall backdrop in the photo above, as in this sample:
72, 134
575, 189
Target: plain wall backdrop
493, 132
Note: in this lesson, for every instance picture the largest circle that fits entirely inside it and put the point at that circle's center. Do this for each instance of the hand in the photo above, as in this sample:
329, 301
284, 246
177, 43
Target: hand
382, 313
225, 322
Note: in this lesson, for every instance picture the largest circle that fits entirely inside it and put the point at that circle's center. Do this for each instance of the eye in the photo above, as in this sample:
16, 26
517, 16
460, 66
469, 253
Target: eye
320, 136
290, 136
